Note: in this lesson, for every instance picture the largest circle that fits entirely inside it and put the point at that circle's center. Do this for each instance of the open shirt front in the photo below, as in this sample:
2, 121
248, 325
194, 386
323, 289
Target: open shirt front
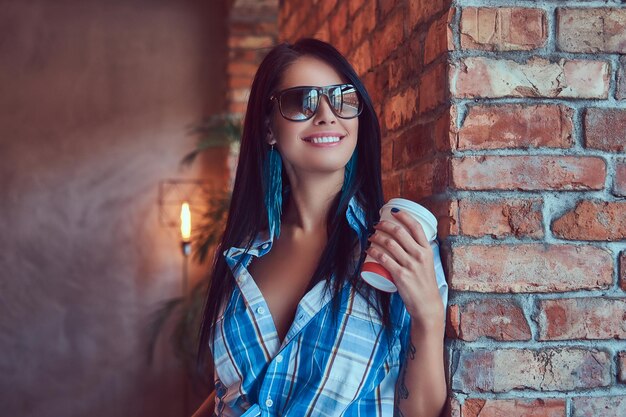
323, 367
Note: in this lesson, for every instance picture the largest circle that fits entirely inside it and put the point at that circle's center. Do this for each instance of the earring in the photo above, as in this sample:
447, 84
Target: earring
272, 180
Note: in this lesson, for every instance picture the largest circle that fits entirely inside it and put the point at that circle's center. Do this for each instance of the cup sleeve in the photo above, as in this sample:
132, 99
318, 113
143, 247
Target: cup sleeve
440, 275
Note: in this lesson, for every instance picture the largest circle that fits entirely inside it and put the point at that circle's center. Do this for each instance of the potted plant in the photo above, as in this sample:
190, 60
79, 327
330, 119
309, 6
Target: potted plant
186, 311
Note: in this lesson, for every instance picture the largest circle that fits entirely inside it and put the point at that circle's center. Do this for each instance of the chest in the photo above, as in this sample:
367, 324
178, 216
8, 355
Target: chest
283, 276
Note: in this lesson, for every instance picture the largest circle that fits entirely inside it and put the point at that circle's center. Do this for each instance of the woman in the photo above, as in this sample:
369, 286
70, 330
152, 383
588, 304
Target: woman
291, 327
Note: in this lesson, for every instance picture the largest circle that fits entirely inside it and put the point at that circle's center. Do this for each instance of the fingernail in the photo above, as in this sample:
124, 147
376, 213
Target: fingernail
395, 210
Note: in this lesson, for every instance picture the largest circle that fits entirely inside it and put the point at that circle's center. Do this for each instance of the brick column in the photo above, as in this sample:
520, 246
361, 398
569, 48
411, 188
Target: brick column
509, 123
538, 133
253, 30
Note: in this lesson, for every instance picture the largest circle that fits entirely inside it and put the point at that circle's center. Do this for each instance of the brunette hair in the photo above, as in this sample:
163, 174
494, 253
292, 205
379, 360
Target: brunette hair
247, 215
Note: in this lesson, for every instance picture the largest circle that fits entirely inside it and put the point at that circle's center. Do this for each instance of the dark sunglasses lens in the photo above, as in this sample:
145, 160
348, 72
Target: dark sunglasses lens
299, 104
348, 102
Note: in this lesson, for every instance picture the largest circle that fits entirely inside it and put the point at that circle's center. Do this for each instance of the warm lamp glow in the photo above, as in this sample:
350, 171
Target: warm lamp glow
185, 222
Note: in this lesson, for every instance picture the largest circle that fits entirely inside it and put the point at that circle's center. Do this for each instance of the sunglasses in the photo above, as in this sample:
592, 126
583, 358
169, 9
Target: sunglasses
300, 103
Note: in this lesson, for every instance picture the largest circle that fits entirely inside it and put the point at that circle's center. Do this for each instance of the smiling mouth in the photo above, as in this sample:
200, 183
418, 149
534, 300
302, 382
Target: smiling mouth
324, 139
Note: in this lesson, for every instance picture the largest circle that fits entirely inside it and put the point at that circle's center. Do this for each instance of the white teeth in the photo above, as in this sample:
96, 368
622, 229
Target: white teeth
325, 139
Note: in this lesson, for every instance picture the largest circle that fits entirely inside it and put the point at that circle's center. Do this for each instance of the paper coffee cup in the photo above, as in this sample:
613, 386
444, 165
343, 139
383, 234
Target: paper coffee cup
375, 274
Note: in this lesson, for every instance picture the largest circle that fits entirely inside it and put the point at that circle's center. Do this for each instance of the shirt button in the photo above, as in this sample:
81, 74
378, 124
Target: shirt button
269, 402
279, 358
260, 310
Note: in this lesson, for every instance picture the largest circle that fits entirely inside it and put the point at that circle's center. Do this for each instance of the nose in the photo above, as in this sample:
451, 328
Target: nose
324, 114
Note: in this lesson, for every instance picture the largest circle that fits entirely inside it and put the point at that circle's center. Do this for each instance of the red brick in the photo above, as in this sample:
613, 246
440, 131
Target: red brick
388, 37
239, 82
239, 95
402, 68
323, 9
400, 108
323, 32
503, 29
591, 30
392, 185
529, 268
247, 27
416, 44
386, 156
604, 129
621, 367
501, 218
622, 270
425, 179
354, 6
537, 77
433, 87
361, 59
418, 182
550, 369
619, 181
412, 145
363, 23
620, 93
423, 10
444, 136
446, 212
386, 6
516, 126
453, 321
250, 41
344, 45
239, 108
338, 22
582, 318
238, 55
497, 319
289, 28
374, 82
614, 406
243, 69
528, 173
593, 220
540, 407
438, 38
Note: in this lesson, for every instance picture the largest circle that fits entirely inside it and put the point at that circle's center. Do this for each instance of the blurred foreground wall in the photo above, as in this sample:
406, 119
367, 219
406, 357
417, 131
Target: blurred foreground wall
95, 101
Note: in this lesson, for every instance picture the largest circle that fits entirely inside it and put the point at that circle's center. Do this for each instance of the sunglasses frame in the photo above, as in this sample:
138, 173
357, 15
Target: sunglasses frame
321, 91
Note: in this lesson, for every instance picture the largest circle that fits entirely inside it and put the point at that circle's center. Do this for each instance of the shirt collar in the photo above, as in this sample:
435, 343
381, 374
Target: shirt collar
263, 241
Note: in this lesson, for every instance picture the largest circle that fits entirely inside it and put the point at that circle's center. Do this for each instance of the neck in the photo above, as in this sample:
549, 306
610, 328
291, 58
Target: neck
309, 202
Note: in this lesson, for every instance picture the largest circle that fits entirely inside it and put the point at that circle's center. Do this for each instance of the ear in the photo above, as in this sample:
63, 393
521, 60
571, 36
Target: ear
269, 135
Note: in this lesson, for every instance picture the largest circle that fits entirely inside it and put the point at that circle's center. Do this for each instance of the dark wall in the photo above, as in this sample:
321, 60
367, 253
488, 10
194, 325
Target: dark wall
95, 101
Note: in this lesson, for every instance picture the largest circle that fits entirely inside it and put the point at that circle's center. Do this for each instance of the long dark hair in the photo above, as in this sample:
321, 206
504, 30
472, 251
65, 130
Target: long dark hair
247, 215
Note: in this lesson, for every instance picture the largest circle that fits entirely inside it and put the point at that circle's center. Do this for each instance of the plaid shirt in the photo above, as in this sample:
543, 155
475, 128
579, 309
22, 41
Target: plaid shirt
322, 368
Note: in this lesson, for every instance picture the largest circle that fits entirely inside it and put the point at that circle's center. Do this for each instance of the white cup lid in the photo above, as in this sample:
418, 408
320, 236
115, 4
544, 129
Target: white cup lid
419, 211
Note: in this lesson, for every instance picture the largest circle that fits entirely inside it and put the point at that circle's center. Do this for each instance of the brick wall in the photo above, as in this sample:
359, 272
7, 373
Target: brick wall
399, 49
508, 120
253, 29
538, 319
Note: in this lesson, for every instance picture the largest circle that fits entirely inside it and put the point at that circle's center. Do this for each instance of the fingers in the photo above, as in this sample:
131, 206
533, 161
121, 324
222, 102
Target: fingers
414, 227
389, 244
389, 262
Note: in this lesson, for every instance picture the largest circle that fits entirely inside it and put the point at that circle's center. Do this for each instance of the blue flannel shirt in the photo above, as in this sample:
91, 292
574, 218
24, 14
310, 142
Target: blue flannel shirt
322, 368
